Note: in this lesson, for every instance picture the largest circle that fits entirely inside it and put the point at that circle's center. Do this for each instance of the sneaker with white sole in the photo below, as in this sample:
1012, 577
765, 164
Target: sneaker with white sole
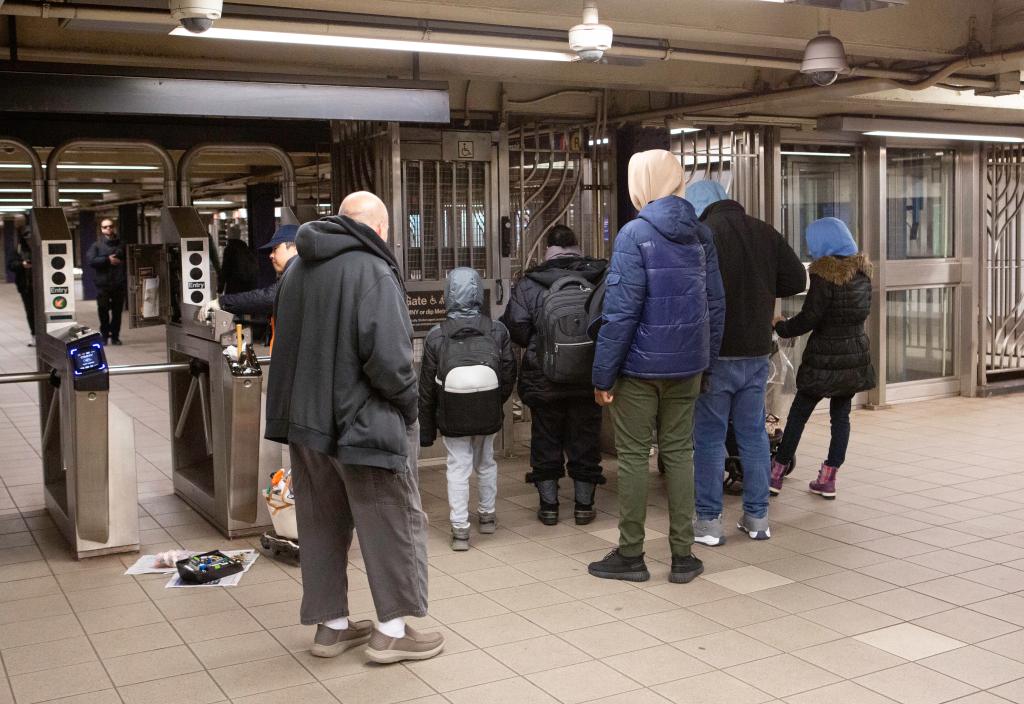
708, 531
756, 528
414, 645
488, 522
330, 642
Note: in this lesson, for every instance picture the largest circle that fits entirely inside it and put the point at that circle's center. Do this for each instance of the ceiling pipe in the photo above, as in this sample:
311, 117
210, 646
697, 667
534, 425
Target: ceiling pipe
166, 162
481, 37
38, 182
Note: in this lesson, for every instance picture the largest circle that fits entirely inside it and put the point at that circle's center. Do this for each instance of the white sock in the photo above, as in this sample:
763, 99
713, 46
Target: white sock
395, 628
338, 624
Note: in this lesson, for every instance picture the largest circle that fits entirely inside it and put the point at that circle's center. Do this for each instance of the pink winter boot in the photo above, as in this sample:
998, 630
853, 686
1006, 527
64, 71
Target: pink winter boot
825, 484
779, 472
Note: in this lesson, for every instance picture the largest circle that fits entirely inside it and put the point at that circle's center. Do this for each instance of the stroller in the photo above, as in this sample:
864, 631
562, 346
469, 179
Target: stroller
779, 396
284, 539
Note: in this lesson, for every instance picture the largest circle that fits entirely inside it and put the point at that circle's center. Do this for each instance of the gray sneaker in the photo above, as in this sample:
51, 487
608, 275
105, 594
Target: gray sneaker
414, 646
488, 522
330, 642
460, 539
756, 528
708, 531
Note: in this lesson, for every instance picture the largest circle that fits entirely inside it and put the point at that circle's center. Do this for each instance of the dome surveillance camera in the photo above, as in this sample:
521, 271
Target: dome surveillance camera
824, 59
591, 38
196, 16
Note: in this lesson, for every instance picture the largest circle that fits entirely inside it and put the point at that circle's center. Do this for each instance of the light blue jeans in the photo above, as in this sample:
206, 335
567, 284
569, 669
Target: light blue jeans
737, 390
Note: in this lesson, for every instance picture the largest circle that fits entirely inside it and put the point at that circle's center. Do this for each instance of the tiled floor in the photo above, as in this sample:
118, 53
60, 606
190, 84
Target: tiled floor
909, 588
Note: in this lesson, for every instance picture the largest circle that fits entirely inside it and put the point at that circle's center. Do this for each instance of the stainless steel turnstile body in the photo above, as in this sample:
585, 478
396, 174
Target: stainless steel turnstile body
215, 414
87, 444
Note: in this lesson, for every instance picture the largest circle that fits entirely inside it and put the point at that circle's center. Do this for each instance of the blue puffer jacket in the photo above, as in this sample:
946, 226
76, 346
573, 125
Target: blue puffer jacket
664, 307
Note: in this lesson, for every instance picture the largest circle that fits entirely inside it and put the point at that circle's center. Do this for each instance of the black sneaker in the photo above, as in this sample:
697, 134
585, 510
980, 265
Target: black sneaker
548, 514
685, 569
584, 514
617, 566
116, 341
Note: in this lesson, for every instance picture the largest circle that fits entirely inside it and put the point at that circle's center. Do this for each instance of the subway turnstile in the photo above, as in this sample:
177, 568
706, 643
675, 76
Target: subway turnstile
216, 406
87, 444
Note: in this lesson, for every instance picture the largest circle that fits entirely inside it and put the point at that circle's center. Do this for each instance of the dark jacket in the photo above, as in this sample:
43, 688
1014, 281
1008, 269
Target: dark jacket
837, 360
239, 269
522, 317
757, 266
664, 307
463, 299
109, 277
258, 301
22, 252
342, 380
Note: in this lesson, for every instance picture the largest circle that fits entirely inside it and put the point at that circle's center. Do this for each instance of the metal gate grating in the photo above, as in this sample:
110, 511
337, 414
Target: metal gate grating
1002, 294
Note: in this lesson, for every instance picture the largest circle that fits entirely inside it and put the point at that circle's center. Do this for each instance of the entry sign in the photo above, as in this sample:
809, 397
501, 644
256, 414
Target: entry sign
427, 309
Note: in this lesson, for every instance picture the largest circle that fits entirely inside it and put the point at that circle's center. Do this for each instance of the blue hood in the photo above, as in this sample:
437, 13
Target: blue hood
463, 293
830, 237
673, 218
703, 193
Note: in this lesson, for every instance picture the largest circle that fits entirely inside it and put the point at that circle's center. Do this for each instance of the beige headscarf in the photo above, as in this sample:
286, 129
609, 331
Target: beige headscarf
654, 174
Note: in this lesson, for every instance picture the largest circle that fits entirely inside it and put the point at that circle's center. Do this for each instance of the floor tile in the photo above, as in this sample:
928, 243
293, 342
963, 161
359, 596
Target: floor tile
966, 625
783, 675
234, 650
227, 623
657, 665
1009, 608
498, 630
583, 682
956, 590
47, 656
841, 693
195, 687
676, 625
909, 642
565, 617
450, 672
790, 633
975, 666
313, 693
151, 665
849, 618
796, 597
1013, 692
59, 682
726, 648
1011, 645
914, 684
538, 654
609, 639
747, 579
738, 611
849, 584
998, 576
849, 658
39, 630
712, 688
905, 604
260, 676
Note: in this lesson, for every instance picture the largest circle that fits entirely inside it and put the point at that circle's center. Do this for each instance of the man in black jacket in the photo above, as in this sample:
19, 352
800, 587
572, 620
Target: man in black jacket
757, 266
106, 257
260, 301
566, 422
342, 394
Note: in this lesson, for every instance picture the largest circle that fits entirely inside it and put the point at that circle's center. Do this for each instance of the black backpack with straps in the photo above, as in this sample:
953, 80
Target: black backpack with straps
566, 350
469, 373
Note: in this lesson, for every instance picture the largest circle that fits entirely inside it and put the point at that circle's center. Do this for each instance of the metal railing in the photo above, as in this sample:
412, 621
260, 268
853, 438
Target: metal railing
119, 370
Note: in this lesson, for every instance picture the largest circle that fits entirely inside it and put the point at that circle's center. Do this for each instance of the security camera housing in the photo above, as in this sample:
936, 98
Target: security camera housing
196, 16
824, 59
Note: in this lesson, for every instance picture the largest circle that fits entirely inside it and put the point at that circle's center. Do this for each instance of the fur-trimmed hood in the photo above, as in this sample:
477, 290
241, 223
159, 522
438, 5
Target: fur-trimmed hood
841, 270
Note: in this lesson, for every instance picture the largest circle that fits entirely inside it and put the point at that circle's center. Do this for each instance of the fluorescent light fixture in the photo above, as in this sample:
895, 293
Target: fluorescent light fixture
834, 155
14, 208
85, 190
913, 129
15, 190
213, 202
68, 200
16, 200
945, 135
690, 160
592, 142
88, 167
350, 42
684, 130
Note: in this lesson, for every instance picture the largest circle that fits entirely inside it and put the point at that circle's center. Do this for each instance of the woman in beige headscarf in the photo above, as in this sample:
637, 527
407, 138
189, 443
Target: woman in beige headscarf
663, 315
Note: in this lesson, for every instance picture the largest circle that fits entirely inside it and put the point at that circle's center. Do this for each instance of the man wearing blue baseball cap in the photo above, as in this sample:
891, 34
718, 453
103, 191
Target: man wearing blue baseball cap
260, 301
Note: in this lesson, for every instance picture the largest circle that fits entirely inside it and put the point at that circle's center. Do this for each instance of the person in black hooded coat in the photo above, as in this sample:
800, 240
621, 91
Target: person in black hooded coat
837, 360
566, 420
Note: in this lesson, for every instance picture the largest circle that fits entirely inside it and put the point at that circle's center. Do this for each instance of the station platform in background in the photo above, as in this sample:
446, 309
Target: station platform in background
909, 588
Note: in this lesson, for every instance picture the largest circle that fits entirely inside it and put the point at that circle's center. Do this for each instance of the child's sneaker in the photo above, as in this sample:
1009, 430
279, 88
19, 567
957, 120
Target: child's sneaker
779, 472
488, 522
460, 539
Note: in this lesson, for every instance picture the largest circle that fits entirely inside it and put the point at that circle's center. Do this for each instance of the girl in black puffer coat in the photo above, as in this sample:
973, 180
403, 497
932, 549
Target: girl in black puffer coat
837, 361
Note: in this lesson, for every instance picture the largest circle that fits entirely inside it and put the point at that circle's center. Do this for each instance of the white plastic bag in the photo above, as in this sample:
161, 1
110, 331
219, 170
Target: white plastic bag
281, 504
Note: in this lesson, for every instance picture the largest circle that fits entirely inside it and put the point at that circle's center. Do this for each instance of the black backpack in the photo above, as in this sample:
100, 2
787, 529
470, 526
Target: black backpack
469, 373
566, 350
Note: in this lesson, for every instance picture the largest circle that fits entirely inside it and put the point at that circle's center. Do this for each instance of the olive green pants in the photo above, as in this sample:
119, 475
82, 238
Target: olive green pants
667, 405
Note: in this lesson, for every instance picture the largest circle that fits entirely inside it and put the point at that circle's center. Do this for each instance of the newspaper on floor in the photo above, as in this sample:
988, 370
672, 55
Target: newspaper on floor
248, 557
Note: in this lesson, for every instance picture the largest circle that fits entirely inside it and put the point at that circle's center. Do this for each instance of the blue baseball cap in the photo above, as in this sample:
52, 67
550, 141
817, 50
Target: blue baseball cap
285, 233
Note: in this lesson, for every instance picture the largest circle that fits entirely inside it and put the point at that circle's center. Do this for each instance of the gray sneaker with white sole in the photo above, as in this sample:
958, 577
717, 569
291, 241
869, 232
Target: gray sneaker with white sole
708, 531
756, 528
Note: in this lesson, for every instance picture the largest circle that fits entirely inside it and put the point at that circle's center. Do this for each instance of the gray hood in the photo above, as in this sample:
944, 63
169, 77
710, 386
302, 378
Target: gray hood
463, 293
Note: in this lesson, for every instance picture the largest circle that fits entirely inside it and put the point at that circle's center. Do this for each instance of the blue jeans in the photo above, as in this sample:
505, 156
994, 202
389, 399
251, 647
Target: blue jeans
737, 390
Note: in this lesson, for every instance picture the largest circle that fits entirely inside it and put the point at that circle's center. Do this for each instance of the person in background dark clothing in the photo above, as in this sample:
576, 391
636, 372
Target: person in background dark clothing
757, 266
239, 269
20, 264
106, 257
837, 360
566, 420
